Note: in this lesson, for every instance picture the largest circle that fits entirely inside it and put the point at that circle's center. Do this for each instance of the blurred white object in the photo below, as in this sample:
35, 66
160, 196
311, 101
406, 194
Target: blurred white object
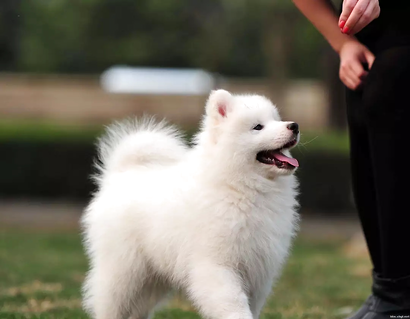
132, 80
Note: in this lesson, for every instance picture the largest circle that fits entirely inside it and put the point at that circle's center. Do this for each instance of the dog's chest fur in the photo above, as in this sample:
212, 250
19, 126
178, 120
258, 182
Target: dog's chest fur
253, 236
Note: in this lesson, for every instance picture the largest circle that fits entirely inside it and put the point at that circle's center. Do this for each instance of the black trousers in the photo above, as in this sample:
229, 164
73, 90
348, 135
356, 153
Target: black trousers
379, 128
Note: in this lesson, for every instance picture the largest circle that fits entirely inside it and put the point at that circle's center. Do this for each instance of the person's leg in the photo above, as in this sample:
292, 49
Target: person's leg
386, 101
386, 106
364, 190
363, 176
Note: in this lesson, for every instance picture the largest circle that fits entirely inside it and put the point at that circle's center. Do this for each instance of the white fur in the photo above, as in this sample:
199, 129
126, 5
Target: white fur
210, 220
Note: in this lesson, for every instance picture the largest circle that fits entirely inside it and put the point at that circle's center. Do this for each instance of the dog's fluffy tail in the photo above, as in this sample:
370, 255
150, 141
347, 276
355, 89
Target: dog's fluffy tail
138, 142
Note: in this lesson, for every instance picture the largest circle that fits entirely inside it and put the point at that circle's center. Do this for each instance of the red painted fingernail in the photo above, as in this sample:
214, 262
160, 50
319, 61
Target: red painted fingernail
342, 24
346, 30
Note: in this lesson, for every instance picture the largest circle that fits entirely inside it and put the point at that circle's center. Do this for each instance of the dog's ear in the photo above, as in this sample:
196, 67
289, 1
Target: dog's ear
219, 104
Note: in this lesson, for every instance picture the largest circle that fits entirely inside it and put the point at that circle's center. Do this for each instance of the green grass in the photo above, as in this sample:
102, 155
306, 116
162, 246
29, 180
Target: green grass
25, 130
41, 275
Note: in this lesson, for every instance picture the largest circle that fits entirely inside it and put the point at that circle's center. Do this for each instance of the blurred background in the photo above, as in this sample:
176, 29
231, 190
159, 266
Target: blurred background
69, 67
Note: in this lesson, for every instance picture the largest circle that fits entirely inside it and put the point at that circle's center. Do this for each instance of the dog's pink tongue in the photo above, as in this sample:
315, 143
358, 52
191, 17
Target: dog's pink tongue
283, 158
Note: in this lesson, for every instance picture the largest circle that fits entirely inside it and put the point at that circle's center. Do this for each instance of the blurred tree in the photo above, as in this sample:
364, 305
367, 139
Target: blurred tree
337, 111
53, 37
330, 75
174, 33
277, 34
10, 18
225, 36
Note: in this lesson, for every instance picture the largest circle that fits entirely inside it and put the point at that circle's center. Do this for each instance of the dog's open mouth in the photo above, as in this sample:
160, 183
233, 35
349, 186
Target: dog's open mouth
277, 158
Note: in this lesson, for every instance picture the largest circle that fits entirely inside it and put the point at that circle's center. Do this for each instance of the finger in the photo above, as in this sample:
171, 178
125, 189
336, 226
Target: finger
353, 68
348, 77
371, 13
349, 83
357, 69
354, 17
356, 82
353, 75
348, 6
369, 58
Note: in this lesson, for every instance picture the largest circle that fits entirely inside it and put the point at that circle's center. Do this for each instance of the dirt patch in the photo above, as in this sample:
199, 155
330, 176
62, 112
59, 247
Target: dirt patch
32, 288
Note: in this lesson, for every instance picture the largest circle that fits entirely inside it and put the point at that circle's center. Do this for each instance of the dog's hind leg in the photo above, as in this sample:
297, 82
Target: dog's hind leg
111, 287
152, 293
258, 299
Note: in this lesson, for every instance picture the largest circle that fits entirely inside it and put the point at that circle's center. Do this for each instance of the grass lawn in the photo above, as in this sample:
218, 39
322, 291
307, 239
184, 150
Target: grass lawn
41, 275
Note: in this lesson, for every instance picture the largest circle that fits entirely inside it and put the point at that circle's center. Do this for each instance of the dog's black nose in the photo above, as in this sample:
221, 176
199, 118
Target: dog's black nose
294, 127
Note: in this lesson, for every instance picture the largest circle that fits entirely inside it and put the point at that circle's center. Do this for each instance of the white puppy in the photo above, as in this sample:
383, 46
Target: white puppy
215, 220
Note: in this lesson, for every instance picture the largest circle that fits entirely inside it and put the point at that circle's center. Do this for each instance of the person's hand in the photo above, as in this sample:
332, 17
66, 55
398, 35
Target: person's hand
353, 55
357, 14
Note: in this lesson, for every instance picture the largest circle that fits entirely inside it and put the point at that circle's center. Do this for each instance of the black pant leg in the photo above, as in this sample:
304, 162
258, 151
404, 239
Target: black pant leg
364, 190
386, 103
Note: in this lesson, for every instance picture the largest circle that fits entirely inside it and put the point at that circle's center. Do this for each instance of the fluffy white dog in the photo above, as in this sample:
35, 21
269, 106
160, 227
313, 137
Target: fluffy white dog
215, 220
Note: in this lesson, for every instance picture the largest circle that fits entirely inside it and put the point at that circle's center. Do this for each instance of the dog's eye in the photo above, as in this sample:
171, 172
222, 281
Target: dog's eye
258, 127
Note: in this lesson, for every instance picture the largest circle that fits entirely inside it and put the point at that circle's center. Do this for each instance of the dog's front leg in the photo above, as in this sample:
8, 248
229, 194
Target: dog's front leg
217, 292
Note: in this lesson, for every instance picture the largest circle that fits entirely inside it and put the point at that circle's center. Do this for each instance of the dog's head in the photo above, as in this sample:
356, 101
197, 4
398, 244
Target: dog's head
250, 133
